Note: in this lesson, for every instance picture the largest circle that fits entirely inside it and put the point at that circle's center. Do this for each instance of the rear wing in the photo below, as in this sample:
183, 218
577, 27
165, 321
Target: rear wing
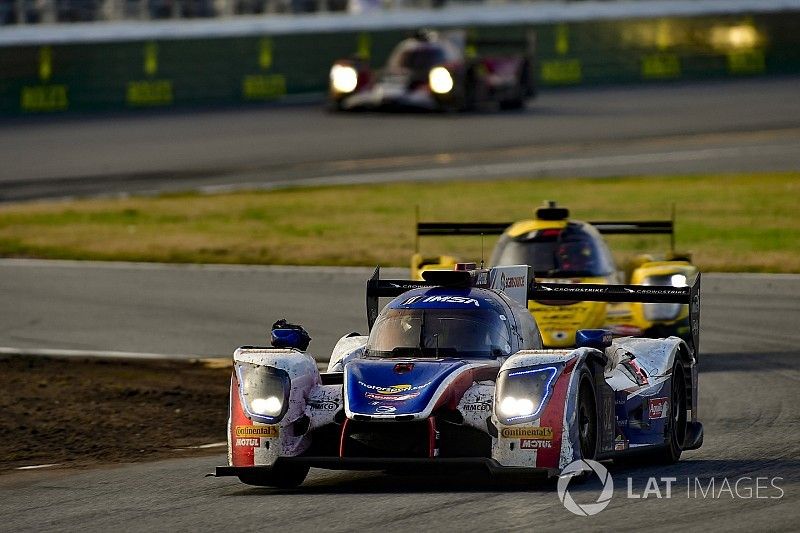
470, 41
606, 227
626, 293
390, 288
387, 288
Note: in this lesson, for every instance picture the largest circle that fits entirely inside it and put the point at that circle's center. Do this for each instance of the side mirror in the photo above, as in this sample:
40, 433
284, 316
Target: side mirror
599, 339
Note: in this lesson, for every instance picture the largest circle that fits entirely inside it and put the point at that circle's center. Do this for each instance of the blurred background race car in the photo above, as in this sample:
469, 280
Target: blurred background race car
563, 250
438, 71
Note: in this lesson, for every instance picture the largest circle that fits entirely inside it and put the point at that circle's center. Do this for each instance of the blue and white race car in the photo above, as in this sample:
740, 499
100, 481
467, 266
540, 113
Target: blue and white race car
453, 374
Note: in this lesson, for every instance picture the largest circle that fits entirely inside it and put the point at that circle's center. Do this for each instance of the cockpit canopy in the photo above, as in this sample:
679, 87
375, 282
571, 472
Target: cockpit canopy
577, 250
415, 55
446, 325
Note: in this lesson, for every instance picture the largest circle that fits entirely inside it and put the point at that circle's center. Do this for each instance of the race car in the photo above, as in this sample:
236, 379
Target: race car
453, 375
563, 250
435, 71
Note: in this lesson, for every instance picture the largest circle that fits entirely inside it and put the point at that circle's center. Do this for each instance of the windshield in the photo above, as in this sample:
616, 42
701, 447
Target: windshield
556, 253
438, 333
415, 57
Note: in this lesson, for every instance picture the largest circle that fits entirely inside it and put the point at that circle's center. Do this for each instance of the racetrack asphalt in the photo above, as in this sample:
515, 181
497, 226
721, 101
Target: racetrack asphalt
681, 127
749, 377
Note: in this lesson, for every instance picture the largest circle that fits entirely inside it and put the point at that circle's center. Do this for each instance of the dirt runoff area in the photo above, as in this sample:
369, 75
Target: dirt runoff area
85, 412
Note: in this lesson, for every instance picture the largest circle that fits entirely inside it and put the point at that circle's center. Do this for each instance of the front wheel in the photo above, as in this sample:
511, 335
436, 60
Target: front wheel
282, 476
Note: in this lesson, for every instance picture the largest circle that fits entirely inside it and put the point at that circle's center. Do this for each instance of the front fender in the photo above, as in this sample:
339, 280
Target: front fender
253, 442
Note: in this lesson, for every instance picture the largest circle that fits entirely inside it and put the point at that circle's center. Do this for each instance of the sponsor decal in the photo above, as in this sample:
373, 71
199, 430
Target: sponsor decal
453, 300
444, 299
323, 405
479, 406
583, 289
534, 444
511, 282
385, 409
530, 432
257, 431
251, 443
620, 444
394, 389
391, 397
658, 408
662, 290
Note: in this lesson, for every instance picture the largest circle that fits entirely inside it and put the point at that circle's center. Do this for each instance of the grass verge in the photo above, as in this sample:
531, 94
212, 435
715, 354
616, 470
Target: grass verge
743, 222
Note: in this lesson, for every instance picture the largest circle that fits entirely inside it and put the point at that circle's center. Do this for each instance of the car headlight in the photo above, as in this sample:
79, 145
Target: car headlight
662, 312
522, 393
264, 391
344, 79
440, 80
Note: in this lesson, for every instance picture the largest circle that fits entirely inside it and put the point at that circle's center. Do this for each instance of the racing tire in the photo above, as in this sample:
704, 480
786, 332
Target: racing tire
676, 429
587, 417
522, 90
677, 423
469, 98
282, 476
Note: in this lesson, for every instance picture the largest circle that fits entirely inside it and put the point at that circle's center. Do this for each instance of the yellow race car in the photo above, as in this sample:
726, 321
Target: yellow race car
563, 250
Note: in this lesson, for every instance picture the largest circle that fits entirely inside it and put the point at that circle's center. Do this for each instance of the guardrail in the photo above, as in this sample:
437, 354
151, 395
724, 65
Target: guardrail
204, 63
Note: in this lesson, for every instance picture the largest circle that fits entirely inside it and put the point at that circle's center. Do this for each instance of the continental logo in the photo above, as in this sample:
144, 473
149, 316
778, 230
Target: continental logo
527, 432
256, 431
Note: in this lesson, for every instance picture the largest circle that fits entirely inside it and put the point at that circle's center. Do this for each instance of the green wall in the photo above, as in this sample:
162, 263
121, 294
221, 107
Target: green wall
119, 75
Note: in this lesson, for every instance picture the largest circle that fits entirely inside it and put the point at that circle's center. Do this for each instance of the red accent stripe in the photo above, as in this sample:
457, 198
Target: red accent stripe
431, 436
553, 416
343, 437
456, 389
241, 455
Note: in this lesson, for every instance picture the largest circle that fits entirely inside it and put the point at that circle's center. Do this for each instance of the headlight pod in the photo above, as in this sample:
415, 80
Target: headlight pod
264, 391
662, 312
522, 393
440, 80
344, 78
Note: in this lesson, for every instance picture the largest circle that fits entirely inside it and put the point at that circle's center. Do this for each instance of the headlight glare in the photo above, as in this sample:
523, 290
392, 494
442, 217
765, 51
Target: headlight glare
440, 80
664, 312
344, 79
263, 391
267, 406
678, 280
522, 393
512, 407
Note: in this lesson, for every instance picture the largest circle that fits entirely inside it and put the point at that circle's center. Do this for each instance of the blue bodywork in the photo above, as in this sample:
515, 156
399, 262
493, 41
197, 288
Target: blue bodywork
374, 386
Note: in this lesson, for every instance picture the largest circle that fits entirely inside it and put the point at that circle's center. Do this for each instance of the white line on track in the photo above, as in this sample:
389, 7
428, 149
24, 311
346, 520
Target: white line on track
505, 170
103, 354
128, 265
37, 467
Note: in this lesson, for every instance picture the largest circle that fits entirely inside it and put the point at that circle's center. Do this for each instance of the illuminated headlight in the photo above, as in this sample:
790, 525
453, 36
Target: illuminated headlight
664, 312
523, 393
440, 80
271, 406
678, 280
510, 406
264, 391
344, 79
